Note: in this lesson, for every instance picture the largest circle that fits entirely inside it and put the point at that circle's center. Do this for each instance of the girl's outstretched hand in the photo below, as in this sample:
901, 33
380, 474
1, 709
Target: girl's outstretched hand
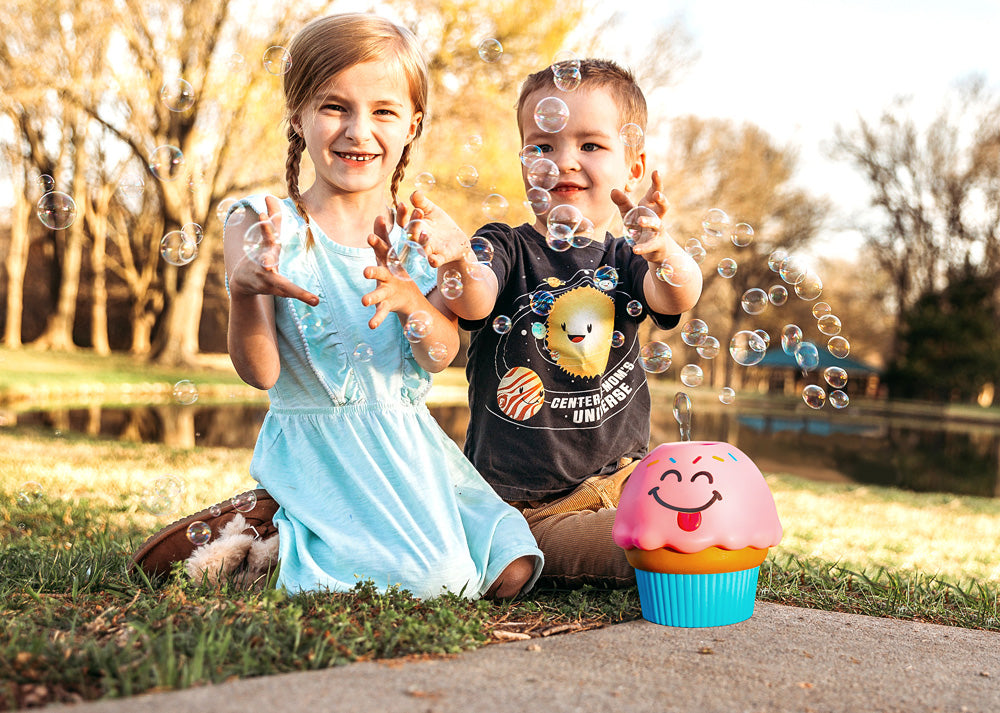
261, 277
392, 294
441, 237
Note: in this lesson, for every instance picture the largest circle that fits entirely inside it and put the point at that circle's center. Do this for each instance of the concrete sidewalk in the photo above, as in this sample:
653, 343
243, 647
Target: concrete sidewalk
782, 659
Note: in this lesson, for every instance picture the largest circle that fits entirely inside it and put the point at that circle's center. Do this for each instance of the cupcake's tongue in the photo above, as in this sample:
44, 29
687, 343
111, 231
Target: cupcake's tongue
689, 521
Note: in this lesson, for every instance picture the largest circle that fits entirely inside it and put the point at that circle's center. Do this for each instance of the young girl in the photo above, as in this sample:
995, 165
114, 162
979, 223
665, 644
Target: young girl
369, 486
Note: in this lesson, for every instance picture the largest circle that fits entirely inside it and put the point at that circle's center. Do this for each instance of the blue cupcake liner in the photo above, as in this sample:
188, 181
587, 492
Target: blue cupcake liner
693, 600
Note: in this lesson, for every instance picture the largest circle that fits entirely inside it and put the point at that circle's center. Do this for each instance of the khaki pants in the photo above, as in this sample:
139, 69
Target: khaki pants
574, 531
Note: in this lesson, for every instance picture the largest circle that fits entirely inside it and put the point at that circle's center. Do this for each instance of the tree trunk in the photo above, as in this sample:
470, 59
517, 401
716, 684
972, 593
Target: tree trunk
177, 343
16, 265
99, 288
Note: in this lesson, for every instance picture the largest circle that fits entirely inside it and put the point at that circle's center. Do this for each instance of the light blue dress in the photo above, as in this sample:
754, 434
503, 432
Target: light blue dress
369, 485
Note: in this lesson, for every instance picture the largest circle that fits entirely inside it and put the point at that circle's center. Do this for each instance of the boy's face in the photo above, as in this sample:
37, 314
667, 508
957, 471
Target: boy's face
589, 153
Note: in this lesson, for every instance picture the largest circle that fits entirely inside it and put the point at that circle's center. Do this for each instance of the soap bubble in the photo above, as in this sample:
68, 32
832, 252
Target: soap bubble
775, 259
727, 267
417, 326
634, 308
198, 533
178, 248
215, 510
543, 173
806, 356
754, 300
709, 348
562, 222
437, 351
56, 210
677, 270
166, 162
539, 200
177, 94
747, 348
236, 62
792, 270
584, 234
29, 492
742, 235
363, 352
132, 186
821, 309
160, 496
839, 347
617, 339
814, 396
452, 290
501, 325
791, 337
415, 231
258, 247
467, 176
311, 324
727, 395
194, 231
551, 115
829, 324
482, 250
655, 357
565, 60
641, 224
835, 377
696, 250
222, 209
495, 206
529, 154
425, 181
404, 258
764, 337
541, 302
809, 287
715, 224
838, 399
47, 182
694, 332
777, 295
490, 50
632, 136
538, 330
606, 278
568, 80
692, 375
245, 501
277, 60
473, 143
185, 392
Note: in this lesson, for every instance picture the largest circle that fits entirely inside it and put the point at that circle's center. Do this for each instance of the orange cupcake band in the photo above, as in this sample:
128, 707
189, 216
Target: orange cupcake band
708, 561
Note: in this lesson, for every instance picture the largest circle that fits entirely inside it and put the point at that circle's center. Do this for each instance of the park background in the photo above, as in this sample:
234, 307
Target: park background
863, 138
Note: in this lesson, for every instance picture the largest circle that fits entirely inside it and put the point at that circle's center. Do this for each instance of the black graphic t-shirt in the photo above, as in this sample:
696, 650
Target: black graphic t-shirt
560, 394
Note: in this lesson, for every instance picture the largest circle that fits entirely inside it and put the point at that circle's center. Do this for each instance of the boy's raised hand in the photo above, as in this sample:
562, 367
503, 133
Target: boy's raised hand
660, 245
443, 240
261, 277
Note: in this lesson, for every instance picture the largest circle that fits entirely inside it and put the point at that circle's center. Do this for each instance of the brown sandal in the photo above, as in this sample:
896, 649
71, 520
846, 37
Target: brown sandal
171, 544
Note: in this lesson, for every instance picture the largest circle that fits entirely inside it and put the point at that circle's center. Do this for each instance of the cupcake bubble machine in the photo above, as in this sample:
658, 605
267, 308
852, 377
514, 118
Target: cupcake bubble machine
696, 519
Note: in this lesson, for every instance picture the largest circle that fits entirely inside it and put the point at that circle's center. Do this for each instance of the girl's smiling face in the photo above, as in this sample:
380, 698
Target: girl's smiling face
357, 127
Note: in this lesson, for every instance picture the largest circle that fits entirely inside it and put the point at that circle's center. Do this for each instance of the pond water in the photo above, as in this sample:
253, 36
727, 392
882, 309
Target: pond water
870, 447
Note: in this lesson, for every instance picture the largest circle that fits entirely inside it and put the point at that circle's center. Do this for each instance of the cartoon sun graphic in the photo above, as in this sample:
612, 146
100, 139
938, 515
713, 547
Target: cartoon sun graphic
579, 330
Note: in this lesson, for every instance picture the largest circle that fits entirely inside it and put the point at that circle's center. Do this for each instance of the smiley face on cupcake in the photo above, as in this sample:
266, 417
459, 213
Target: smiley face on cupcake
690, 496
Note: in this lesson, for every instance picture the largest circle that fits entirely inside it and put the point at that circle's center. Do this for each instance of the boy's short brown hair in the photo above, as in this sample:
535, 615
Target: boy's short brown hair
619, 82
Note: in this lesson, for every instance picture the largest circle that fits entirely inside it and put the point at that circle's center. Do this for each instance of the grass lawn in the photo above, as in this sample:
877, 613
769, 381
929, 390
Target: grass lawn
78, 626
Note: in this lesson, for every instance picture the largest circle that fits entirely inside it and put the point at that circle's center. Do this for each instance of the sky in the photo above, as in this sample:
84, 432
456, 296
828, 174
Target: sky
799, 68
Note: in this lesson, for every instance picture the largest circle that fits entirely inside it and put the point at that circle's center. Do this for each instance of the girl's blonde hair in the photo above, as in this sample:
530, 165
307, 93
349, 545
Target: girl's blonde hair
329, 45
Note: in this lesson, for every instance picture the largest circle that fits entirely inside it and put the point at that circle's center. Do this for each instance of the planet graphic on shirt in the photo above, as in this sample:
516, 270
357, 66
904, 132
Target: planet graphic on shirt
580, 324
520, 394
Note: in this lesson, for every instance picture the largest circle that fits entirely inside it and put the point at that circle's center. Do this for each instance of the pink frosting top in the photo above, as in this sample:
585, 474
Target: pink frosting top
692, 495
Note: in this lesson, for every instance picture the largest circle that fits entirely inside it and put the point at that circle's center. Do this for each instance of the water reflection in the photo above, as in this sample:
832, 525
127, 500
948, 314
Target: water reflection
921, 454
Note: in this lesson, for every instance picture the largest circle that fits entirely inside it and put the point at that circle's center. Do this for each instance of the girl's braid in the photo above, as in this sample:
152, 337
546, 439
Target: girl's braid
296, 145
